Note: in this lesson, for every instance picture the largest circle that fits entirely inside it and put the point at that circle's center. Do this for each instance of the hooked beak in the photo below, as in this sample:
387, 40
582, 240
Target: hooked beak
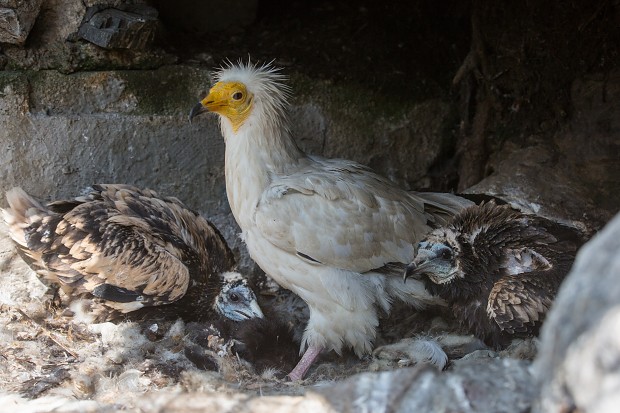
206, 104
409, 271
253, 311
419, 263
213, 102
196, 110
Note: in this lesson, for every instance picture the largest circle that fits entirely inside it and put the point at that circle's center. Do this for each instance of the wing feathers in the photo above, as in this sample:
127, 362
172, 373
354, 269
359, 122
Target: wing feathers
118, 243
333, 214
518, 304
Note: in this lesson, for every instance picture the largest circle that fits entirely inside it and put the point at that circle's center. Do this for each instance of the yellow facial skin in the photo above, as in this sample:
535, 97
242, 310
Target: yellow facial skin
229, 99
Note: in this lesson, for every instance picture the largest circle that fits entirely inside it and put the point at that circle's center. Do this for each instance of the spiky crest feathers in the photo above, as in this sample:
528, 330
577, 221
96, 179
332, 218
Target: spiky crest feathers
264, 80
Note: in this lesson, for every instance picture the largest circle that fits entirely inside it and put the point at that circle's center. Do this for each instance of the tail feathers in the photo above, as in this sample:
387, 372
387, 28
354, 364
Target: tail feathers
29, 224
23, 211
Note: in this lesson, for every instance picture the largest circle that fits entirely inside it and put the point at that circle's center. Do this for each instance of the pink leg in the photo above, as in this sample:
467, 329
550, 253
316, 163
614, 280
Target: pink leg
304, 364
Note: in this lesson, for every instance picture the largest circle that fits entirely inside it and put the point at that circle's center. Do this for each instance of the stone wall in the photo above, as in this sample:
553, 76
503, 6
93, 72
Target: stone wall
62, 132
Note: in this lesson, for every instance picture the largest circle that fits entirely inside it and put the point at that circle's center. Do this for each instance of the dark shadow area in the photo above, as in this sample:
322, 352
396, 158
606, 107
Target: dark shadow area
508, 68
386, 45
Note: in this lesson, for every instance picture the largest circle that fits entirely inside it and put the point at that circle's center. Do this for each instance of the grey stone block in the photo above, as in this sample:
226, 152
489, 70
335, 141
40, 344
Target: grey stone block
132, 27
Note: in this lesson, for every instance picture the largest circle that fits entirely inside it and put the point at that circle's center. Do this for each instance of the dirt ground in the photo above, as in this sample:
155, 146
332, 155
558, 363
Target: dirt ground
47, 355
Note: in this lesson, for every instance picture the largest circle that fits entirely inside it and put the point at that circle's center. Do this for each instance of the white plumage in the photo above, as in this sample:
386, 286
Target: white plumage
330, 230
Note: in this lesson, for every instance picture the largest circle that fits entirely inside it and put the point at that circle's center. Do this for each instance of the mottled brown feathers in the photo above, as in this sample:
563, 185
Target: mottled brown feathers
127, 247
498, 268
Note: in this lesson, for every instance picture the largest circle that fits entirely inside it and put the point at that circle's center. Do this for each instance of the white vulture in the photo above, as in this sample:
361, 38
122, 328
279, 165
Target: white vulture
331, 230
119, 249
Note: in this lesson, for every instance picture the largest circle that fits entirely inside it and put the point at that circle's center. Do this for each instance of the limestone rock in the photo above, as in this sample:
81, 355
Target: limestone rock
16, 19
575, 178
54, 42
60, 133
578, 360
132, 27
492, 385
58, 26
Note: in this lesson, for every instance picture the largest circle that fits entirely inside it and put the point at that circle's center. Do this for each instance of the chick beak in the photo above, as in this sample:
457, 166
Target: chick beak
409, 271
414, 269
252, 311
255, 310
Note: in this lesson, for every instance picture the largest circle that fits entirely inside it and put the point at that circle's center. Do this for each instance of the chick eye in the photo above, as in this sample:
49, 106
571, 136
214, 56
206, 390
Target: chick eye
446, 254
237, 96
234, 297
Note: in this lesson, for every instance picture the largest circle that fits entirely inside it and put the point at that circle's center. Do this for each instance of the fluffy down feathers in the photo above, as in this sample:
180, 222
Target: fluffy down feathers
497, 268
266, 343
125, 249
330, 230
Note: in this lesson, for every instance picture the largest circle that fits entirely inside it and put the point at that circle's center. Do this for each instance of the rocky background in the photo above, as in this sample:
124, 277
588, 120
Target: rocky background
520, 101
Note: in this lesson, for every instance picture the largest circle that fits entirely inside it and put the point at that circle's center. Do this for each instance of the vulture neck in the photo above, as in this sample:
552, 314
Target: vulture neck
258, 151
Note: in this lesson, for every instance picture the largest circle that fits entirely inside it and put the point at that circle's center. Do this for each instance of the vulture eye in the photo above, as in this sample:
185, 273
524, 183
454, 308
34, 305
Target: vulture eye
234, 297
445, 253
237, 96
